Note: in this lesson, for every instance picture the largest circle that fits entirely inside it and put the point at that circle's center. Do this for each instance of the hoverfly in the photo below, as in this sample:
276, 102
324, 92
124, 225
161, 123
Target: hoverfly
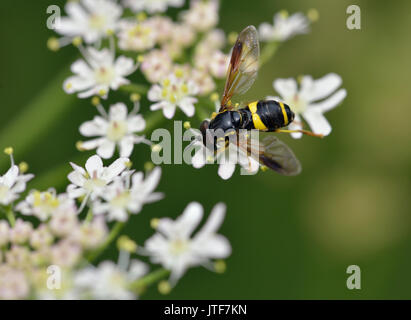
262, 115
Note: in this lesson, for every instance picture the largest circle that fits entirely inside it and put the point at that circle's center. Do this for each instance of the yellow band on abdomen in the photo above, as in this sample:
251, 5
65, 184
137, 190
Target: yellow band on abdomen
253, 107
258, 123
284, 113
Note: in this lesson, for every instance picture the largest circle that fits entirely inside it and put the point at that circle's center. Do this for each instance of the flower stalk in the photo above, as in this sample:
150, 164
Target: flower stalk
118, 226
149, 279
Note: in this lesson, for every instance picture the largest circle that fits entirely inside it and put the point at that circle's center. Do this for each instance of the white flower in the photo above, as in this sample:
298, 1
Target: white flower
174, 248
219, 64
98, 73
64, 221
41, 237
90, 19
203, 80
214, 39
136, 36
152, 6
227, 160
121, 199
12, 183
42, 204
13, 284
20, 232
156, 65
163, 27
284, 27
172, 93
118, 129
305, 101
182, 35
66, 253
109, 281
18, 256
202, 15
93, 181
91, 234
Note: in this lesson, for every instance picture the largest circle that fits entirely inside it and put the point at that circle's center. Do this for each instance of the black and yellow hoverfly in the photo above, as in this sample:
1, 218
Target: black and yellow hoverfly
262, 115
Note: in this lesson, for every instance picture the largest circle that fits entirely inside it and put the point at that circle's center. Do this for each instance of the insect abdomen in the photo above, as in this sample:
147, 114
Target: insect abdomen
268, 115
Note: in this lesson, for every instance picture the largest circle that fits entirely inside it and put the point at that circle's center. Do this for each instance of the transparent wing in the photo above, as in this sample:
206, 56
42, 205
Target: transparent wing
274, 154
278, 156
243, 67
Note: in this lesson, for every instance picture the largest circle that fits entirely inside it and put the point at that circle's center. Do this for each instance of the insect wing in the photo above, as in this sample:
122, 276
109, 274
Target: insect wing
243, 67
277, 156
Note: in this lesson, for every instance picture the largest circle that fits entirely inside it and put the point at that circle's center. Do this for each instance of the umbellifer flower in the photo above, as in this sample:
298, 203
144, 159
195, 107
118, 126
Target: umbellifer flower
98, 72
152, 6
122, 198
136, 36
93, 181
116, 128
174, 248
202, 15
43, 204
173, 92
305, 101
108, 280
284, 27
12, 183
156, 65
91, 20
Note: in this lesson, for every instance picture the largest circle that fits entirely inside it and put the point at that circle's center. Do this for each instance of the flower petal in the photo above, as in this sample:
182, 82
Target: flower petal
152, 180
330, 102
226, 170
124, 66
95, 127
296, 125
154, 94
313, 90
78, 168
118, 111
106, 149
169, 110
92, 144
136, 123
116, 168
126, 146
317, 122
94, 164
285, 87
214, 221
11, 176
187, 106
77, 178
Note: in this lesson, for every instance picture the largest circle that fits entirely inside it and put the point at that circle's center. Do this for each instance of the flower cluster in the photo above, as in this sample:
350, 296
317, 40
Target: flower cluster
49, 240
65, 237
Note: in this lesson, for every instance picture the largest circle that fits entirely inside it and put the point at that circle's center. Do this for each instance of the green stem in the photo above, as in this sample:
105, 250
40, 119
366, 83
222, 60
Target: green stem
268, 52
110, 238
150, 279
89, 215
11, 217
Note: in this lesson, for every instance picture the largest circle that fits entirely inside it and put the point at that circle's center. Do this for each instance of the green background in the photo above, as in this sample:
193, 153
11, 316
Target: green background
292, 237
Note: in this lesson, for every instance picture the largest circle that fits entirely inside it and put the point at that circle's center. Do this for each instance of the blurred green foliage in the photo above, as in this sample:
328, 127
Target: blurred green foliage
292, 238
